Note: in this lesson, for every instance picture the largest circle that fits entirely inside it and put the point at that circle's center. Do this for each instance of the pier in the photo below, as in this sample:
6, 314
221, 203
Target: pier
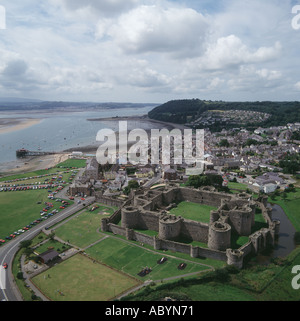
21, 153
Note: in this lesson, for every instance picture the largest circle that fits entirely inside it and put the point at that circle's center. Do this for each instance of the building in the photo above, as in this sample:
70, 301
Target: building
48, 256
170, 174
92, 169
144, 172
269, 188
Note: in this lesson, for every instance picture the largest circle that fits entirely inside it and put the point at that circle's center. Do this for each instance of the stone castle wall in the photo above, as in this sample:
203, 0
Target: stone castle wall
235, 213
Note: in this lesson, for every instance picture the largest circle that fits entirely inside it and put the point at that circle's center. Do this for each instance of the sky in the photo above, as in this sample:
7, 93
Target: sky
150, 50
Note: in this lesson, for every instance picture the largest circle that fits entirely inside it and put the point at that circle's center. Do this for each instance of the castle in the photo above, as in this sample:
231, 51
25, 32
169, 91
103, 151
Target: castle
149, 210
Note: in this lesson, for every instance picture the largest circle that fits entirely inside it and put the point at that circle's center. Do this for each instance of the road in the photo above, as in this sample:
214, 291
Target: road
9, 292
154, 180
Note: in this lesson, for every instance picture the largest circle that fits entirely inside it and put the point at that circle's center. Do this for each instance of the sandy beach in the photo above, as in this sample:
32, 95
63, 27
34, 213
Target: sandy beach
31, 164
8, 125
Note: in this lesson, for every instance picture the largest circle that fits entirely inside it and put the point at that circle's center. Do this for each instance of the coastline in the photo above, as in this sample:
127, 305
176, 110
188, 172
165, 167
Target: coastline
32, 164
143, 118
8, 125
41, 162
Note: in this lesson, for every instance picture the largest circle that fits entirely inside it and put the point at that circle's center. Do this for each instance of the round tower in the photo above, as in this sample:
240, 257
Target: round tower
169, 227
235, 257
130, 217
219, 236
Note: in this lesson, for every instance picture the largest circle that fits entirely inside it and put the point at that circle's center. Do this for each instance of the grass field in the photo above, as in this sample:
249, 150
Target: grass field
79, 279
18, 209
72, 163
82, 229
57, 246
30, 174
256, 283
193, 211
291, 206
66, 176
131, 259
240, 186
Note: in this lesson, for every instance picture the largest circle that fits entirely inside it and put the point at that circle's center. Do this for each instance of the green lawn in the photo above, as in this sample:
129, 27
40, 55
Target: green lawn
30, 174
256, 283
18, 209
291, 206
79, 279
66, 176
193, 211
82, 230
57, 246
72, 163
131, 260
240, 186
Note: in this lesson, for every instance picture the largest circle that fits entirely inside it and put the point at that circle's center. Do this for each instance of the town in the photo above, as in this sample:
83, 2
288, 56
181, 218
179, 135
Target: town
251, 159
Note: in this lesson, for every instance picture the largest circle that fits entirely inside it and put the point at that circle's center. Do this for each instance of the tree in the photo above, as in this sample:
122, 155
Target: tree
52, 236
224, 143
133, 184
205, 180
25, 244
284, 195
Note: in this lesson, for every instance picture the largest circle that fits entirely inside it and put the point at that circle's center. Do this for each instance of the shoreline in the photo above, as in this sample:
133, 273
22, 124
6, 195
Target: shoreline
144, 118
41, 162
8, 125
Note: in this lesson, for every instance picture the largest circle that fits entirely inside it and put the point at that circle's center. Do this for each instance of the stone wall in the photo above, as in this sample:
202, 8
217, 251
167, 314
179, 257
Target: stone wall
196, 231
235, 213
108, 200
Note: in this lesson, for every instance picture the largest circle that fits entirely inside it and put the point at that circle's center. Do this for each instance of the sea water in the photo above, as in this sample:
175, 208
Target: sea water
59, 131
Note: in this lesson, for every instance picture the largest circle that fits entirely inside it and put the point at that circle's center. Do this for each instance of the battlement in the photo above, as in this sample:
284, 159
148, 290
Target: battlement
149, 210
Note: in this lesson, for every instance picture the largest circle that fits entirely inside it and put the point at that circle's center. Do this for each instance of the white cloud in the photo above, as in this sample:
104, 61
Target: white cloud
137, 50
230, 52
269, 74
297, 86
162, 30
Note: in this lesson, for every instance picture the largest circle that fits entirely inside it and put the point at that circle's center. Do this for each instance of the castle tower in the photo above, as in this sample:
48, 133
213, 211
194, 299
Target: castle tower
130, 217
235, 257
169, 227
219, 236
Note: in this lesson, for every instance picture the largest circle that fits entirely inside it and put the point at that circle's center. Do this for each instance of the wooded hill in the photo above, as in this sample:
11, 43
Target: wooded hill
188, 110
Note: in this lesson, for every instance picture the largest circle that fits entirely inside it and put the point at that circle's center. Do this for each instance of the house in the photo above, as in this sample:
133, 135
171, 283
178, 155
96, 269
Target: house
110, 175
48, 256
92, 169
144, 172
170, 174
268, 178
269, 188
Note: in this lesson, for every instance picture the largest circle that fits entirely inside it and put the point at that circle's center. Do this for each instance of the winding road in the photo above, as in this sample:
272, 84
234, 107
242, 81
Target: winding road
9, 290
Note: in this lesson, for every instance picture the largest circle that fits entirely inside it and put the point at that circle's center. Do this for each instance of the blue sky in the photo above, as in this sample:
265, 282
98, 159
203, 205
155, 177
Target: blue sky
149, 50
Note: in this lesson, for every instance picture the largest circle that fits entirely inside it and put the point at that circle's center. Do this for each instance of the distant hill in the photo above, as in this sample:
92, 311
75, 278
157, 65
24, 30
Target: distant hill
23, 104
187, 112
18, 100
